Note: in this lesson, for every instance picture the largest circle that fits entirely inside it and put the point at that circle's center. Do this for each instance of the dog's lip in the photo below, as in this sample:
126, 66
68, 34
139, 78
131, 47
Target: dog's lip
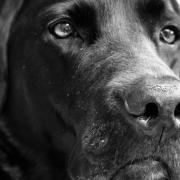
141, 161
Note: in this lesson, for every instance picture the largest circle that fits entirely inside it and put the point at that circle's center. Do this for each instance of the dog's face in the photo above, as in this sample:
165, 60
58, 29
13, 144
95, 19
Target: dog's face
95, 83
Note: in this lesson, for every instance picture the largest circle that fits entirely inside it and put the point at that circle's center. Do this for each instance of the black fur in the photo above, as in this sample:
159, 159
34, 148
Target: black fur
101, 103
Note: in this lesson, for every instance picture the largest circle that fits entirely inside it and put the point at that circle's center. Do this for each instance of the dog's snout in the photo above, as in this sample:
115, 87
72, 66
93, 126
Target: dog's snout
154, 105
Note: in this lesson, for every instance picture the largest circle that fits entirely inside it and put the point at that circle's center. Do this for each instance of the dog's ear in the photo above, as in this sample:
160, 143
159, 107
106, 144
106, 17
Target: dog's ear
8, 11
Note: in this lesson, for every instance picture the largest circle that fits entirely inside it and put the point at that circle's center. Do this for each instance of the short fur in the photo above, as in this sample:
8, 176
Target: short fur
102, 103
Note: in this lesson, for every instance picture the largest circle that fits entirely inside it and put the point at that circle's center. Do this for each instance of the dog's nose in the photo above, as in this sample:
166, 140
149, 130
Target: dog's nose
154, 106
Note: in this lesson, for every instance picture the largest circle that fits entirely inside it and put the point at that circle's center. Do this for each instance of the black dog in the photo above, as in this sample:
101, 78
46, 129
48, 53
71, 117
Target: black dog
90, 89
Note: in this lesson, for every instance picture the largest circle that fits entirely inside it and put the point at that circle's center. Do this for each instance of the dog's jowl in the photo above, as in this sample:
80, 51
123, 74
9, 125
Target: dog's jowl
90, 89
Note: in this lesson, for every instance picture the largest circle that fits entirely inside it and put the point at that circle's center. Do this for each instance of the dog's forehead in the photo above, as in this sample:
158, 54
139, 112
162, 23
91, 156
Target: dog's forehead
107, 4
102, 7
116, 10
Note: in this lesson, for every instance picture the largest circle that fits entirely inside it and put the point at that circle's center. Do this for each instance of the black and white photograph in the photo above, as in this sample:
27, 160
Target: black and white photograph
89, 89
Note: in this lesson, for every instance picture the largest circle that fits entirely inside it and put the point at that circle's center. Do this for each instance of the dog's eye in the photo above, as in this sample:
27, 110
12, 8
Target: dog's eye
169, 34
62, 29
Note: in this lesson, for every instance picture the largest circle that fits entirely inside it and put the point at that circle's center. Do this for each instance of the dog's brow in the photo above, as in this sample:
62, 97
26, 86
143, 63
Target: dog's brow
62, 7
55, 9
152, 7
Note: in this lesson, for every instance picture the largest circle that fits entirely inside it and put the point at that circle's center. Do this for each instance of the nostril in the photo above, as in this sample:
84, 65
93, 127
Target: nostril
151, 111
177, 111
